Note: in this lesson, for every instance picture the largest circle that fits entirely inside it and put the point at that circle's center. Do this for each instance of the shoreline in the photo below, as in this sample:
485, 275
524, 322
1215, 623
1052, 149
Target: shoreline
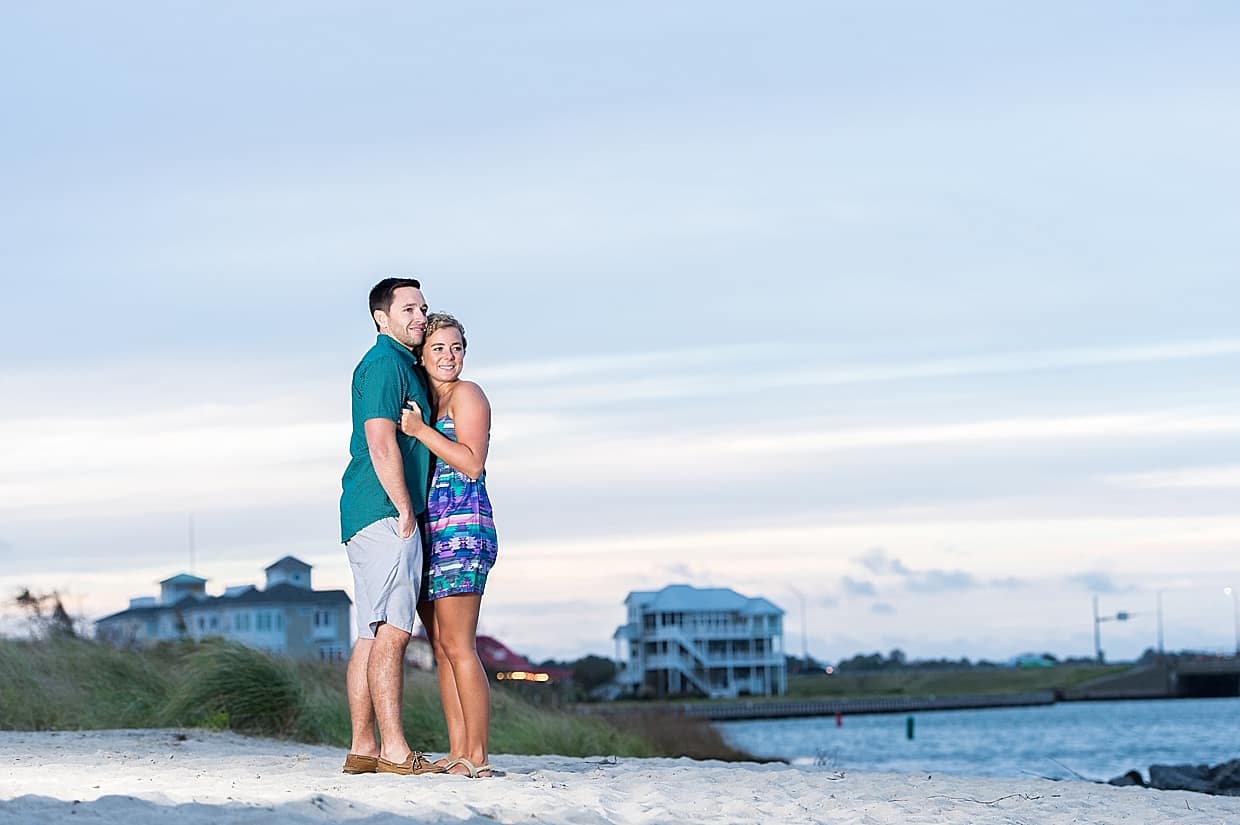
724, 710
133, 777
736, 709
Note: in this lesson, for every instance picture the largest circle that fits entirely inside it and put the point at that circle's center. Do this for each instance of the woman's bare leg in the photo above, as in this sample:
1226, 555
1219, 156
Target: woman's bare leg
456, 627
448, 696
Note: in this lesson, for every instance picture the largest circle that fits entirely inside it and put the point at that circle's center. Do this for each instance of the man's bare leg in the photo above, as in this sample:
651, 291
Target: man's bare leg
361, 709
385, 675
453, 716
456, 619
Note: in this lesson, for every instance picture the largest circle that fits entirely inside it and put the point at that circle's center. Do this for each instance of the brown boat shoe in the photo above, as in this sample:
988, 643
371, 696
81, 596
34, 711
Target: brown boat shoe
356, 763
415, 765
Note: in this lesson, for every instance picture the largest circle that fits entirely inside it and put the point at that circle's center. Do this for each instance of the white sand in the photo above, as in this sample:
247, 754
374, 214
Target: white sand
139, 777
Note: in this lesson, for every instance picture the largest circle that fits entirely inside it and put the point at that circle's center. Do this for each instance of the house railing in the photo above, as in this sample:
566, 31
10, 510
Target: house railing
705, 632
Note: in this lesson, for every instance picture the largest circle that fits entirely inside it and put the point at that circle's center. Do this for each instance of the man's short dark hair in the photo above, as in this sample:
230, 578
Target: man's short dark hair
381, 293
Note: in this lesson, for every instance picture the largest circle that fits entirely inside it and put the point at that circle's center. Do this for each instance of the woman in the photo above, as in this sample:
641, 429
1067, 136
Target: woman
460, 541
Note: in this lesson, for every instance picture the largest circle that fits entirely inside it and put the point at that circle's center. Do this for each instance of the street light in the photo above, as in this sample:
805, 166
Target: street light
1235, 612
1121, 616
1158, 601
804, 627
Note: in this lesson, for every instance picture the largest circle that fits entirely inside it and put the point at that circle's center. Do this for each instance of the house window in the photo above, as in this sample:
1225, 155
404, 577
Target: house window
322, 618
202, 624
279, 622
215, 622
262, 622
332, 653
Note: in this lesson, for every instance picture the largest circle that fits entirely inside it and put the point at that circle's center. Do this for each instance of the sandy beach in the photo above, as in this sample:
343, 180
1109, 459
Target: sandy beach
156, 776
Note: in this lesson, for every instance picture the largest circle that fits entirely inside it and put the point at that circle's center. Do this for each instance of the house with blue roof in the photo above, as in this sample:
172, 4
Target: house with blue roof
287, 617
689, 641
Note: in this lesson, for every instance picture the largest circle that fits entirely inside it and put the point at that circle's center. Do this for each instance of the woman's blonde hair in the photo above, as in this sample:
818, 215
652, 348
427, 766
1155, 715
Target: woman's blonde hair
442, 320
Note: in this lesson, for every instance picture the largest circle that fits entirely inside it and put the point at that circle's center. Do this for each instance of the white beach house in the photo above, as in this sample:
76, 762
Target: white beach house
287, 617
684, 640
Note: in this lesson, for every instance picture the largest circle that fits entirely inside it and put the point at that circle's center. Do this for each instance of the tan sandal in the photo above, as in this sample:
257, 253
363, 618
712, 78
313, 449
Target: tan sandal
474, 771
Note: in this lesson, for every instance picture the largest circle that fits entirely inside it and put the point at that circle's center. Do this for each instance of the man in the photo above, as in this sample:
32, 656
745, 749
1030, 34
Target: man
385, 488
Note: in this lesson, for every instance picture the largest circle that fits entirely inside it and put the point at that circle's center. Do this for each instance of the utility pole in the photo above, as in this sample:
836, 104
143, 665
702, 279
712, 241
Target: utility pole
1097, 632
1235, 613
1158, 600
192, 549
1121, 616
804, 632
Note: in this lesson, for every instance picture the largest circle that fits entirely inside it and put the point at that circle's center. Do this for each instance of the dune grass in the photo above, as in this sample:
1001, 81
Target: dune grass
66, 683
74, 684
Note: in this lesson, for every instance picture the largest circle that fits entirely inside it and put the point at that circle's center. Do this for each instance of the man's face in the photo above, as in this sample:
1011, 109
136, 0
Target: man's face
405, 319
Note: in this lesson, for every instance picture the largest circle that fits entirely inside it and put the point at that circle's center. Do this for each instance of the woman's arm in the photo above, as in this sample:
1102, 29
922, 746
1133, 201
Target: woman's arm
471, 413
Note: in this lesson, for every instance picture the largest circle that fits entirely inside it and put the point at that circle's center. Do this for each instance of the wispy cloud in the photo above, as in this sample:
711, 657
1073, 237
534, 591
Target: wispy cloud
858, 587
939, 581
1186, 478
878, 562
1098, 582
1015, 363
1167, 422
882, 609
706, 373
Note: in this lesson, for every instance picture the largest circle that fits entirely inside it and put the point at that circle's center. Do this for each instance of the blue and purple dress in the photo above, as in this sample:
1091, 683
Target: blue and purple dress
460, 530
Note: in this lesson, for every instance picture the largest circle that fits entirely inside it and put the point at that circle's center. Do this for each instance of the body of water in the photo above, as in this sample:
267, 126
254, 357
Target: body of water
1098, 740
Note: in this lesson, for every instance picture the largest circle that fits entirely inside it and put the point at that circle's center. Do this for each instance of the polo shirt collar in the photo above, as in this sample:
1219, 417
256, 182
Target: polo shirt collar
396, 345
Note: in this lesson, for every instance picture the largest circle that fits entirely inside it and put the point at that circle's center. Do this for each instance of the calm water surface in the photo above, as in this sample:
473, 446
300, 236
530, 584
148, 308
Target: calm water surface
1097, 740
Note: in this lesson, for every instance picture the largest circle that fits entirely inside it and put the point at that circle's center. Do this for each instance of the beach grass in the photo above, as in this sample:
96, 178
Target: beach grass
64, 683
67, 683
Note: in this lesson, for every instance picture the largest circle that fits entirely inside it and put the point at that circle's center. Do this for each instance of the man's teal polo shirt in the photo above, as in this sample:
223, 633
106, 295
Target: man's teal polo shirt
383, 382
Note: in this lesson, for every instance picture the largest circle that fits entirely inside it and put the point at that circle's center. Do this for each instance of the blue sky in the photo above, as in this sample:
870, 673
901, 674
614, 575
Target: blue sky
926, 312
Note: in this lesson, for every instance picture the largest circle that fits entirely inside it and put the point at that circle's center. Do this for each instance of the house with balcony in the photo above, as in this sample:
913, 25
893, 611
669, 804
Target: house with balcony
287, 617
713, 642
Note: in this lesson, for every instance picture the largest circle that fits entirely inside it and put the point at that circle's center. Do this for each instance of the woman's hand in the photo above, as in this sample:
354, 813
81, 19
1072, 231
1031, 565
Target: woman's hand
411, 423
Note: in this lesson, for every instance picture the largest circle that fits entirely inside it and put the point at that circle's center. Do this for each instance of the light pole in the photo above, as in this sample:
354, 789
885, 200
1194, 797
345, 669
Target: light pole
1235, 613
1158, 601
1121, 616
1233, 592
804, 624
1097, 632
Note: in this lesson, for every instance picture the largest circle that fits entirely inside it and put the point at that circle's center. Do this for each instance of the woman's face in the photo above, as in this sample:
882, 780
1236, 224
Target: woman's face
443, 354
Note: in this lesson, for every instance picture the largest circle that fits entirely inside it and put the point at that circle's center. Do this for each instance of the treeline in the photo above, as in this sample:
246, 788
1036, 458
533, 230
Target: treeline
589, 672
897, 660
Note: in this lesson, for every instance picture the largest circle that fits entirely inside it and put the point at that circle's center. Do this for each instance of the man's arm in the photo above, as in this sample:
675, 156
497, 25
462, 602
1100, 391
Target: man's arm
390, 468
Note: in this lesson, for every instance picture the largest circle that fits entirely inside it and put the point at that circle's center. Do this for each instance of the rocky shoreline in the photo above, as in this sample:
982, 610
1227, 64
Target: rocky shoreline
1222, 779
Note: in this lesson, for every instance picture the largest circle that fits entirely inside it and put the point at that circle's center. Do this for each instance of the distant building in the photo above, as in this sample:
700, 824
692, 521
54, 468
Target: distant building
288, 617
709, 642
506, 665
499, 661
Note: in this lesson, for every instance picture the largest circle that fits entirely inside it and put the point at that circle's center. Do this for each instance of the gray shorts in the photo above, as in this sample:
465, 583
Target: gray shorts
387, 573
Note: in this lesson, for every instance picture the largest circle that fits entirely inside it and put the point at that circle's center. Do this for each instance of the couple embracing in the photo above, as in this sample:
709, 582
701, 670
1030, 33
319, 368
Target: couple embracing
417, 525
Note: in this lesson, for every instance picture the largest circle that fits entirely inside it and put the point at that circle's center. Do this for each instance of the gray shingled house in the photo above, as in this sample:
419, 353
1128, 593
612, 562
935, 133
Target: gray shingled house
287, 617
